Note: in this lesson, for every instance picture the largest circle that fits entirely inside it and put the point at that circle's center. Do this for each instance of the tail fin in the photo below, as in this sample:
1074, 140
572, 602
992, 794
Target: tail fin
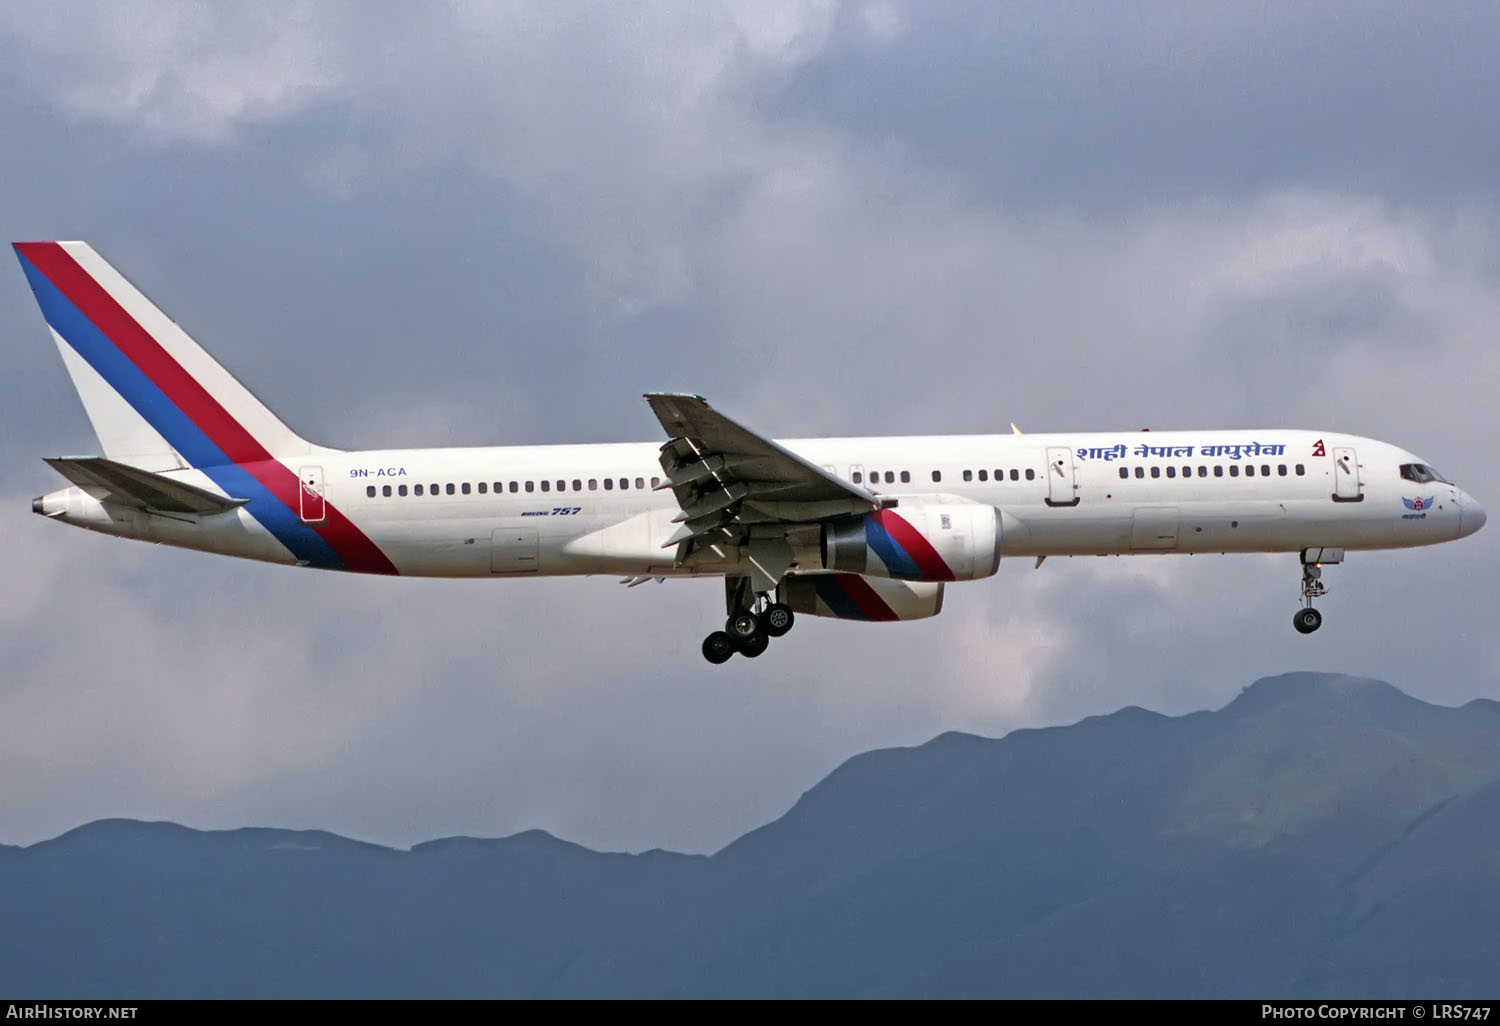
156, 399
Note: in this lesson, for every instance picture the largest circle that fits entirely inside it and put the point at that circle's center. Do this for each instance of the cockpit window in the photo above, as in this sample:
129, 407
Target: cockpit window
1421, 473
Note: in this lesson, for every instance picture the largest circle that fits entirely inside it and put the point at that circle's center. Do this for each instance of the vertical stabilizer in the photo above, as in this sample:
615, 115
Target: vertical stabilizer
155, 398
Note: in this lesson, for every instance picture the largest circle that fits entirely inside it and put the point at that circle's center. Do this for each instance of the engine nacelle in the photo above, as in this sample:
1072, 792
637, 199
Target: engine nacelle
921, 542
852, 597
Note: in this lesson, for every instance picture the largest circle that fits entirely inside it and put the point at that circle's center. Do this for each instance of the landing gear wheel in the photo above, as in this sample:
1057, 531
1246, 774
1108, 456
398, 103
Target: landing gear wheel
718, 647
754, 645
777, 619
742, 625
1307, 620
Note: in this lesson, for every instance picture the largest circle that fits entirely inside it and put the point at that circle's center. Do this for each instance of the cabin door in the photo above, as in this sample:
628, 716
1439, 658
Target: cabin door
314, 510
1062, 478
1346, 486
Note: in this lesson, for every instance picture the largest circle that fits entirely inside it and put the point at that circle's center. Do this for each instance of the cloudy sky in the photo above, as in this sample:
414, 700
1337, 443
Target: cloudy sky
438, 224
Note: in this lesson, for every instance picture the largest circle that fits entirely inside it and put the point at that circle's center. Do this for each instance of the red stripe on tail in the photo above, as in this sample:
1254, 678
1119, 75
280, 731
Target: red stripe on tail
138, 345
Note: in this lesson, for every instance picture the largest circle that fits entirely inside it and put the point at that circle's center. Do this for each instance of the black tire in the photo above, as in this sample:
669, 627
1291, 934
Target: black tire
1307, 620
777, 619
754, 645
718, 647
741, 625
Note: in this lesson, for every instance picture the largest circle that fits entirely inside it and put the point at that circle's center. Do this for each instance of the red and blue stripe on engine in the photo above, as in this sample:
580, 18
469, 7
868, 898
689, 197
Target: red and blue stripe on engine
907, 555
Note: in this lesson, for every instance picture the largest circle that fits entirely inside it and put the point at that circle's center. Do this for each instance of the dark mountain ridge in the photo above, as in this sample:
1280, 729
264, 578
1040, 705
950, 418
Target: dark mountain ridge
1319, 836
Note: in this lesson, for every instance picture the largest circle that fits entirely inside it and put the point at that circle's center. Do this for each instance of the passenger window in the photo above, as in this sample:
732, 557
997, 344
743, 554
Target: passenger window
1250, 470
1301, 470
483, 488
1124, 472
593, 484
1202, 471
1218, 472
1156, 472
968, 475
1171, 471
370, 491
562, 486
1187, 471
577, 485
857, 477
1234, 470
937, 475
906, 476
546, 486
498, 489
890, 477
655, 481
1140, 471
1265, 470
417, 490
1281, 470
1015, 475
450, 487
432, 489
464, 488
401, 490
640, 482
386, 491
609, 484
531, 486
984, 475
1030, 474
514, 485
624, 483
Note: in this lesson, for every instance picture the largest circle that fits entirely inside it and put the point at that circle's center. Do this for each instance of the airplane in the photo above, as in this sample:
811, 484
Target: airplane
868, 529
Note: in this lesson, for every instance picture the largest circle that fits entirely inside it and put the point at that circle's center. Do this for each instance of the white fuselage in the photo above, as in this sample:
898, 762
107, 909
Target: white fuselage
586, 509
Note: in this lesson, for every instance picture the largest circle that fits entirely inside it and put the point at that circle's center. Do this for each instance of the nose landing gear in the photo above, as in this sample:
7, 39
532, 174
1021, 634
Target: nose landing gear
1307, 619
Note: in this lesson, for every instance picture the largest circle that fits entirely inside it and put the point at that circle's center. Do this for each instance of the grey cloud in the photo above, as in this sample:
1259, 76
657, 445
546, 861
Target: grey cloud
1099, 104
479, 241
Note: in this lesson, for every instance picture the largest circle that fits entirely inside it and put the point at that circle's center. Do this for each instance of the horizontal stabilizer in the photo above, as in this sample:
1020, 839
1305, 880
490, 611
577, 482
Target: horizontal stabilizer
124, 485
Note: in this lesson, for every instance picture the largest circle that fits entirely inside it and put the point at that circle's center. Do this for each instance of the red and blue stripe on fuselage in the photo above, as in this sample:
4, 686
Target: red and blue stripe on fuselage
183, 412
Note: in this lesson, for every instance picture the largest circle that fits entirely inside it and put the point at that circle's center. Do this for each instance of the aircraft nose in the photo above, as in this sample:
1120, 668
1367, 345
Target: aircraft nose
1471, 516
1474, 518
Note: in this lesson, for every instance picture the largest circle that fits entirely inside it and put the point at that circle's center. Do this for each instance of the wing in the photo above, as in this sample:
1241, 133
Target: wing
727, 478
110, 481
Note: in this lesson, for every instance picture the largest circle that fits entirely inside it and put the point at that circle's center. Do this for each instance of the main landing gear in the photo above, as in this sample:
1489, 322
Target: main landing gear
749, 629
1307, 619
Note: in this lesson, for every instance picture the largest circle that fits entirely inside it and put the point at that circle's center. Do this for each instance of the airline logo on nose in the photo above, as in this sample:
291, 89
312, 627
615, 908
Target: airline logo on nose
1419, 507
